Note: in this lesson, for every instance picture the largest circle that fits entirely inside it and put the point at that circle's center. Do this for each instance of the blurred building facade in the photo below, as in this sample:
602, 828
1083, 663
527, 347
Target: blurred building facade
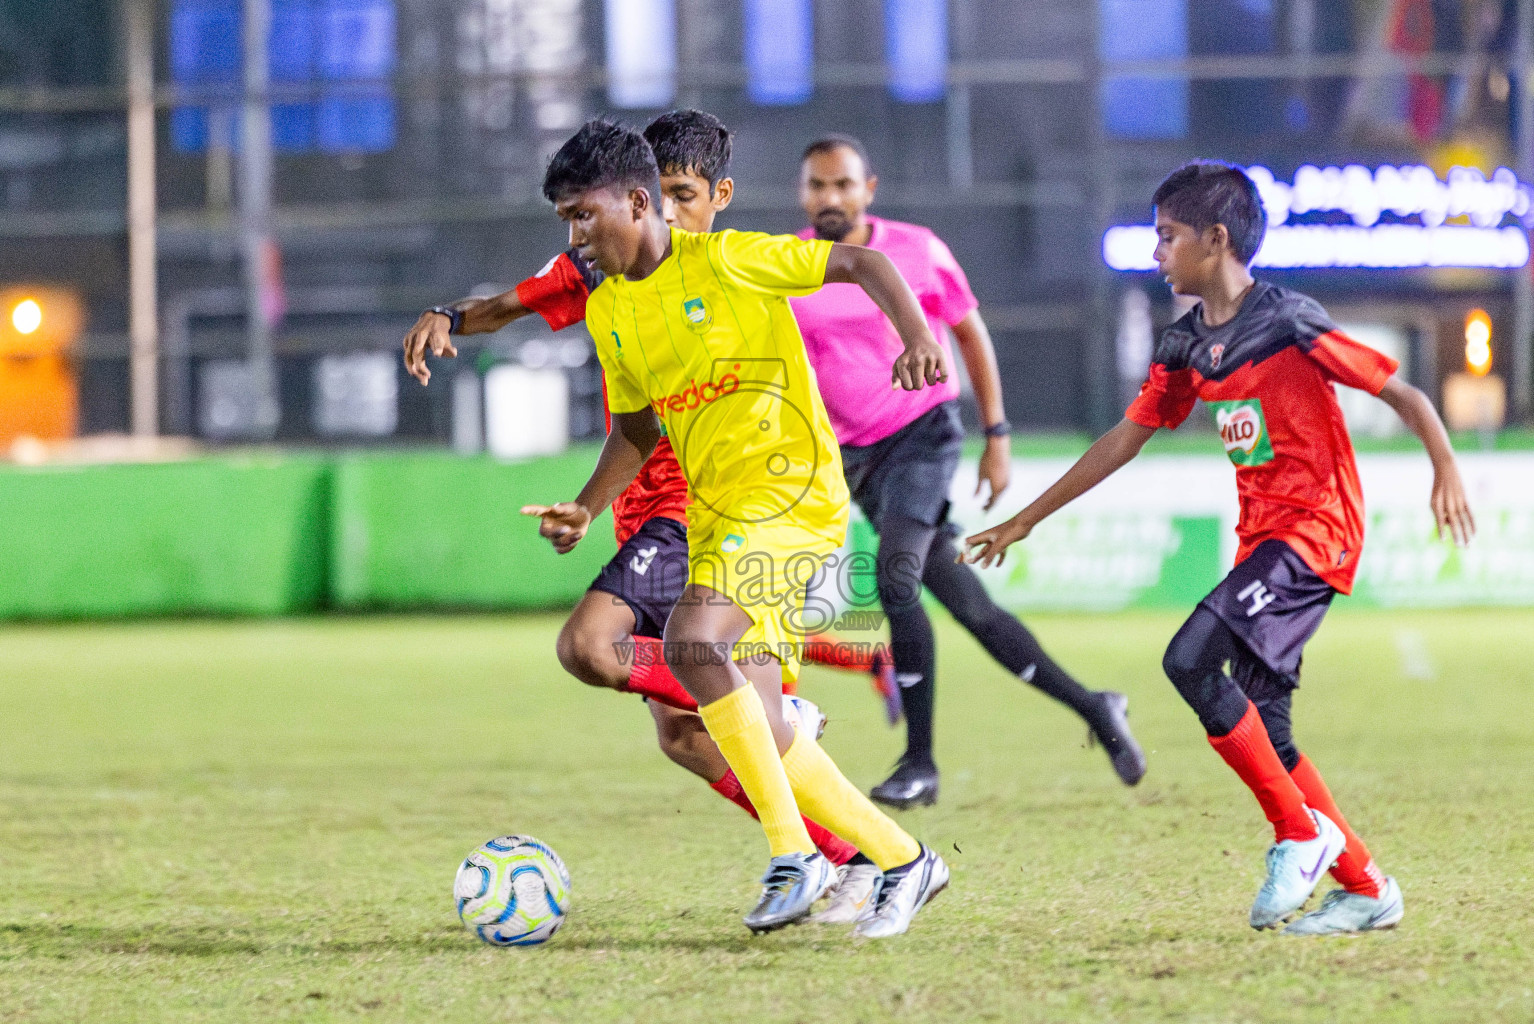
409, 138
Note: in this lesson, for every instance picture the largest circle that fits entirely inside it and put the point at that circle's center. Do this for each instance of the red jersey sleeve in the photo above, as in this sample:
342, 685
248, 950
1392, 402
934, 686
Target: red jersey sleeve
1343, 360
558, 292
1352, 363
1165, 399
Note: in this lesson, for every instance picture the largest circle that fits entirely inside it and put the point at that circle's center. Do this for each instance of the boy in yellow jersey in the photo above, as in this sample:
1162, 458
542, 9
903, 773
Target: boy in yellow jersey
694, 332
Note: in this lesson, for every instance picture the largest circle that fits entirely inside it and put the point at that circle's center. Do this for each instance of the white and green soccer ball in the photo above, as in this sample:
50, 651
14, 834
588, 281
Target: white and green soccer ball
512, 891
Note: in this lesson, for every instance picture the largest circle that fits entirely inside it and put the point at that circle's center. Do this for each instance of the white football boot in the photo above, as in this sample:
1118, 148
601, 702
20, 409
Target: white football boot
792, 884
1342, 912
897, 898
850, 896
1295, 868
804, 715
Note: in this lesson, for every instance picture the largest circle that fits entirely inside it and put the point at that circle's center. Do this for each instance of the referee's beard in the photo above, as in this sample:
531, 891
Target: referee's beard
832, 225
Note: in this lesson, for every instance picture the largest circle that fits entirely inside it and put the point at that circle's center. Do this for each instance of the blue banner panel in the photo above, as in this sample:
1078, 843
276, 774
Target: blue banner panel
780, 51
204, 50
291, 52
641, 53
357, 42
1143, 108
311, 40
916, 49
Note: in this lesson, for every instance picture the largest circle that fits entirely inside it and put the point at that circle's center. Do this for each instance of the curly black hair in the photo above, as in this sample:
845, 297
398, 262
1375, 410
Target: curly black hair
602, 153
1209, 192
691, 142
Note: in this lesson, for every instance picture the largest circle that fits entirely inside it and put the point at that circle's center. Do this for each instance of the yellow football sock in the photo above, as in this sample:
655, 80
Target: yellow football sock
738, 724
824, 795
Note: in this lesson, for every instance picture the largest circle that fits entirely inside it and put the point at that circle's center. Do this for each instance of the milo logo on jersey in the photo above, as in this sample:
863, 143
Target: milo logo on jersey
1244, 431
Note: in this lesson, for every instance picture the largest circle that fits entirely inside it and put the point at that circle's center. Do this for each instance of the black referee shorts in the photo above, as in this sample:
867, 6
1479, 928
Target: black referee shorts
908, 473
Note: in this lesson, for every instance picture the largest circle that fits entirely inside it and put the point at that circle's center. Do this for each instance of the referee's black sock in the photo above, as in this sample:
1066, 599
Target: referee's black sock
1005, 638
915, 654
903, 547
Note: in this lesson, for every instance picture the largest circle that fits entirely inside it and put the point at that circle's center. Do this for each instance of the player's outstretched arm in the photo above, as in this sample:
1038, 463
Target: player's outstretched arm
922, 362
979, 357
1107, 456
1451, 510
432, 332
633, 437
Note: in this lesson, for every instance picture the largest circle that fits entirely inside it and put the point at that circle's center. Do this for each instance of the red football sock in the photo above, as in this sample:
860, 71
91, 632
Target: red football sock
823, 650
836, 849
1248, 750
651, 677
1355, 869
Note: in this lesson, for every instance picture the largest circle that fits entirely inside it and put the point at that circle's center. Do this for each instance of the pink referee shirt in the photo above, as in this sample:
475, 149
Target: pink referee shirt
852, 345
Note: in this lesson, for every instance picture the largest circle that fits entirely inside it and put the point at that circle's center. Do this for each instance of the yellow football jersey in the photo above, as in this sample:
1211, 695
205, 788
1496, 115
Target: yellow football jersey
708, 341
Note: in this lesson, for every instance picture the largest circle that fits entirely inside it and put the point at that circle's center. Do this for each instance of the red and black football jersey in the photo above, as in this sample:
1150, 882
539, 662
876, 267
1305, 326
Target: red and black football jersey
1267, 376
558, 293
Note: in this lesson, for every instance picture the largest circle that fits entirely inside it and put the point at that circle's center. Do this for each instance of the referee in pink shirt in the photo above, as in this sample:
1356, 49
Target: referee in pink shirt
900, 450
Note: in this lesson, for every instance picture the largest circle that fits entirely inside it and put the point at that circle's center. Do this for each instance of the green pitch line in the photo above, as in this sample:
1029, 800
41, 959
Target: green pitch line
251, 821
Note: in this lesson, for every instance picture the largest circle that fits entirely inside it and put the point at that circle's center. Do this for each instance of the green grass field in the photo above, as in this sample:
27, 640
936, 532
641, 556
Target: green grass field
228, 821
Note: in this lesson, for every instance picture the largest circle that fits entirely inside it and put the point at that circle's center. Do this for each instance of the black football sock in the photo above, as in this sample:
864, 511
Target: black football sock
1006, 639
903, 546
915, 655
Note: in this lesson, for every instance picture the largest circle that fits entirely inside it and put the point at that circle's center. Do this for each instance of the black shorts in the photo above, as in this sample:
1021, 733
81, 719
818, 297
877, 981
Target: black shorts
908, 473
1275, 603
648, 574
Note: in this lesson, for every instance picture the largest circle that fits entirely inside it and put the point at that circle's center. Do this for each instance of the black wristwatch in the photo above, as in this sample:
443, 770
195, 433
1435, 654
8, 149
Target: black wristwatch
1001, 429
454, 317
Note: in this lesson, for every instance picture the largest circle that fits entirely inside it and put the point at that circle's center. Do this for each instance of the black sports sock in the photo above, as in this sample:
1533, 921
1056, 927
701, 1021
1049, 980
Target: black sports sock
857, 858
903, 546
1006, 639
915, 654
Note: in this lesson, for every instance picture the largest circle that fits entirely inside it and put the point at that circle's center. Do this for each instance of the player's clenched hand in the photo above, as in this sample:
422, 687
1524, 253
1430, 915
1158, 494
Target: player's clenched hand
1450, 508
920, 364
564, 524
989, 547
429, 332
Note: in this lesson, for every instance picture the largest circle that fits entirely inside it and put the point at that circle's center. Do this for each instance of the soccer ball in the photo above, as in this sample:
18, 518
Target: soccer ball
512, 891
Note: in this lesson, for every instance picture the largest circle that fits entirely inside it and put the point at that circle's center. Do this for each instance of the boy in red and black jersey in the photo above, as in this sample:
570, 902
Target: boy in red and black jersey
1264, 359
613, 637
558, 293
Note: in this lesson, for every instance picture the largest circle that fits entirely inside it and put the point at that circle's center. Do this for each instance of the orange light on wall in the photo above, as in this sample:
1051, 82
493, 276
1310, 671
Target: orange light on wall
1478, 342
39, 325
37, 320
27, 317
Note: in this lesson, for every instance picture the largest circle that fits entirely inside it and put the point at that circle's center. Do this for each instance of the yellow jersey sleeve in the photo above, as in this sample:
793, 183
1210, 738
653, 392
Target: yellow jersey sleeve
775, 264
623, 392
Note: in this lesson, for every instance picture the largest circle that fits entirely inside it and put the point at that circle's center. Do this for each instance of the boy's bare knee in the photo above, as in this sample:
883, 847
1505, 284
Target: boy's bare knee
589, 657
